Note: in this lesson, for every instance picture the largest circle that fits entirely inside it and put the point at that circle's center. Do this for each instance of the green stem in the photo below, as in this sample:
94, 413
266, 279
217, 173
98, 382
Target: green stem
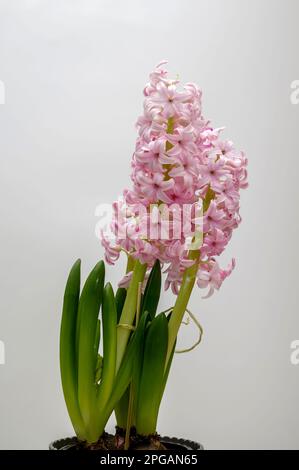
168, 146
169, 130
129, 419
129, 311
121, 408
130, 264
186, 288
182, 302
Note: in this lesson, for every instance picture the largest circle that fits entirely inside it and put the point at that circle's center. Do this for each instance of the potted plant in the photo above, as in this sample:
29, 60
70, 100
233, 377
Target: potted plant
178, 217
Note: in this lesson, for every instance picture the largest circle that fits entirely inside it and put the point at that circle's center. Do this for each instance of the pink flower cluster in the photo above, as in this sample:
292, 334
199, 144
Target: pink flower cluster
179, 159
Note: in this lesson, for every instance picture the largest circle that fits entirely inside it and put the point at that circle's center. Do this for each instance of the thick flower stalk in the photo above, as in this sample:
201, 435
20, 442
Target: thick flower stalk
179, 160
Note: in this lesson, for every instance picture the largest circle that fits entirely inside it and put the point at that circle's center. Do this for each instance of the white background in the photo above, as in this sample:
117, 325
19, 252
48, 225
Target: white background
74, 73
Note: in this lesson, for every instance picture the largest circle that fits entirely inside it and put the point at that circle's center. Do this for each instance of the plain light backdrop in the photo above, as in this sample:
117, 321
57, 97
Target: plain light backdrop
73, 73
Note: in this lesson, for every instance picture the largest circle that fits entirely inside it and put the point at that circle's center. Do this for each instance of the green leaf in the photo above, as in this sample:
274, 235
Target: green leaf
121, 409
137, 371
152, 376
89, 305
120, 298
152, 291
99, 368
124, 375
166, 372
168, 365
68, 359
97, 340
109, 318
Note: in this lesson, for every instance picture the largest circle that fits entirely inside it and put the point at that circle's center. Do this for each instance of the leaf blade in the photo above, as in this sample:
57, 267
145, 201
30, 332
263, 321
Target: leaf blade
109, 320
152, 375
67, 347
89, 305
152, 291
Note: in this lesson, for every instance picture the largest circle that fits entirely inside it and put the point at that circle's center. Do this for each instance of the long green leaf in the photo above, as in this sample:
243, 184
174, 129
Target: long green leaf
99, 367
152, 291
68, 360
151, 382
121, 409
166, 373
124, 374
120, 298
109, 319
89, 305
97, 340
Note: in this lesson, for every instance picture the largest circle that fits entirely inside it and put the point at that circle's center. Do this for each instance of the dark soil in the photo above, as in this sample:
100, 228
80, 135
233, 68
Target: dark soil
117, 442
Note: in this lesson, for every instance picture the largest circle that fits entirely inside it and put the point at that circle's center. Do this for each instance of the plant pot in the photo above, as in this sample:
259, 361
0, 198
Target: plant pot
171, 443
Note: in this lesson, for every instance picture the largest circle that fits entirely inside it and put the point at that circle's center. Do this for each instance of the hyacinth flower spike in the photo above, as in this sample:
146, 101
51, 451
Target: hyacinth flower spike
180, 165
